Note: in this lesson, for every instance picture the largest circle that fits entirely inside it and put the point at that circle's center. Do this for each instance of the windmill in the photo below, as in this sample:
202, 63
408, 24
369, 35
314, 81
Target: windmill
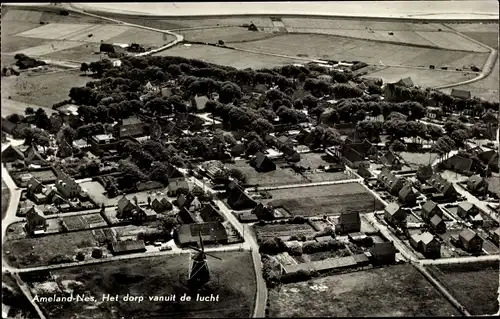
199, 273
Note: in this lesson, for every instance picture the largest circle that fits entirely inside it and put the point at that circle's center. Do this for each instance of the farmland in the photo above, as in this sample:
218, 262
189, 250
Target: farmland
44, 89
390, 291
340, 48
324, 200
31, 252
474, 285
232, 278
236, 59
226, 34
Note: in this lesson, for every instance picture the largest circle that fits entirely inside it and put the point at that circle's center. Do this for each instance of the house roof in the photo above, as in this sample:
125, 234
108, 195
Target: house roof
13, 149
406, 191
392, 208
466, 206
383, 249
475, 180
426, 238
123, 203
467, 234
460, 163
388, 178
436, 220
441, 184
260, 159
389, 158
406, 82
461, 94
128, 245
349, 217
429, 206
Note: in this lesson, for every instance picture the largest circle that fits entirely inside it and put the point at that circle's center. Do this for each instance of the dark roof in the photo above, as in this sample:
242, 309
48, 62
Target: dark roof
406, 191
383, 249
429, 206
460, 163
261, 161
12, 150
406, 82
106, 47
441, 184
349, 217
424, 172
436, 220
461, 94
210, 232
388, 178
128, 246
8, 126
389, 158
174, 172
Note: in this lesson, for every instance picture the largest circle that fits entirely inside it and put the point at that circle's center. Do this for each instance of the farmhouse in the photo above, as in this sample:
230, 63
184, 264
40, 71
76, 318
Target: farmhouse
238, 199
210, 214
356, 153
461, 94
443, 187
130, 127
349, 222
211, 233
429, 209
383, 253
128, 247
175, 185
390, 181
394, 215
437, 224
470, 240
407, 195
427, 244
263, 212
262, 163
35, 222
66, 185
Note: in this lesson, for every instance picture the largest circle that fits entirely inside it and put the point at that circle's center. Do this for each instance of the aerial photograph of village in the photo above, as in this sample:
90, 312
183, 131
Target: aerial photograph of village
232, 160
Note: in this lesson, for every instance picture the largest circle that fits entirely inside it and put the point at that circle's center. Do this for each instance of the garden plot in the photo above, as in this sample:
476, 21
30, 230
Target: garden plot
283, 231
75, 223
394, 291
222, 56
474, 285
325, 200
32, 252
226, 34
421, 77
94, 220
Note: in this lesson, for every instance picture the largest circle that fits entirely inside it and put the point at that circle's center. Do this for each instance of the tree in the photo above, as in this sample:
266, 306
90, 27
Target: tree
15, 118
80, 256
84, 67
238, 175
159, 173
398, 146
29, 111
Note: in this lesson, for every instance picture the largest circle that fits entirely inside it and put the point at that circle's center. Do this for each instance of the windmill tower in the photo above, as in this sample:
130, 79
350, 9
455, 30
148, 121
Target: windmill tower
199, 274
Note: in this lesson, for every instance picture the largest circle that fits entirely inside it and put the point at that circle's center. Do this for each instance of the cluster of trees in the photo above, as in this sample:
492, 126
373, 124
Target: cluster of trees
25, 62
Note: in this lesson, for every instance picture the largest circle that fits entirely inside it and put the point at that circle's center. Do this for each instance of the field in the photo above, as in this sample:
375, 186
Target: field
372, 52
226, 34
157, 276
32, 252
222, 56
486, 88
415, 160
324, 200
488, 38
44, 89
396, 291
474, 285
284, 231
280, 176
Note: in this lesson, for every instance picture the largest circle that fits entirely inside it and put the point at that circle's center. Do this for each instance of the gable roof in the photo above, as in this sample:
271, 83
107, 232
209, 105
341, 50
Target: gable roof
441, 184
466, 206
389, 158
405, 82
429, 206
460, 163
406, 191
467, 234
436, 220
426, 238
350, 217
211, 231
392, 208
383, 249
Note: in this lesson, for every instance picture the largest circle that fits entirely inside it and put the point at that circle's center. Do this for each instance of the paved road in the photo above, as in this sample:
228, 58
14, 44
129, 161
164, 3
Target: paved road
459, 260
474, 200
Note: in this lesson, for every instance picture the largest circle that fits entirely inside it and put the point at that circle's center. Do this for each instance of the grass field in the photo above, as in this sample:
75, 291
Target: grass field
237, 59
339, 48
474, 285
422, 77
43, 90
227, 34
232, 278
416, 160
324, 200
396, 291
32, 252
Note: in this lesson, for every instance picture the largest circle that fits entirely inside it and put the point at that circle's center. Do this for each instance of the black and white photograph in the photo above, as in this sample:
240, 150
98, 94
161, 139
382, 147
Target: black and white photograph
267, 159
